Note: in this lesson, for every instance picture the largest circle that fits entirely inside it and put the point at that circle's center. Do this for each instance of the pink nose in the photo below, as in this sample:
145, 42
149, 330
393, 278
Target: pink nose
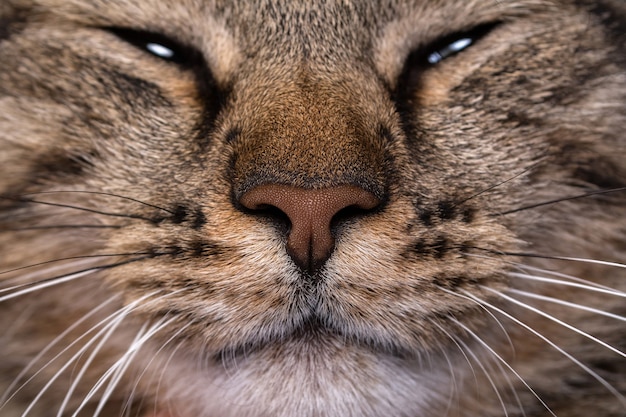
310, 211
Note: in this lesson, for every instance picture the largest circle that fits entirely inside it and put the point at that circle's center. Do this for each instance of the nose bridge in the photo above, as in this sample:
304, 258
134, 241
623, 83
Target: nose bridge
308, 134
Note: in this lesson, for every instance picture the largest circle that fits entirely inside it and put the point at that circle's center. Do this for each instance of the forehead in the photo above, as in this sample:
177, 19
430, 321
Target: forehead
336, 33
294, 21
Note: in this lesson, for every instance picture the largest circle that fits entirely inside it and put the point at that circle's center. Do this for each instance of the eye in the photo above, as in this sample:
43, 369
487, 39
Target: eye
453, 48
429, 56
159, 45
450, 45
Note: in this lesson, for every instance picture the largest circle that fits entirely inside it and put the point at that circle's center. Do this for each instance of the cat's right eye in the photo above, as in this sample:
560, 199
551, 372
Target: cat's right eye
158, 45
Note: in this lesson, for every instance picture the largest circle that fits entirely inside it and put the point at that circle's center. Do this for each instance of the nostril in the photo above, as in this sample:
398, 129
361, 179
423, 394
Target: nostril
273, 214
312, 215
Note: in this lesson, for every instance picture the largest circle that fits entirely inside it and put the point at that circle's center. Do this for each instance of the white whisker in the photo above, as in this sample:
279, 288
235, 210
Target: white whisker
167, 363
453, 339
567, 304
504, 362
506, 334
554, 319
46, 284
111, 319
117, 374
556, 347
568, 284
145, 369
77, 355
590, 261
487, 375
89, 361
523, 267
121, 363
50, 270
544, 271
5, 398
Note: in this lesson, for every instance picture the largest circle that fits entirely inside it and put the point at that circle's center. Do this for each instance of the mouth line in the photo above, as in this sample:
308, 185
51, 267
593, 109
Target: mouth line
313, 332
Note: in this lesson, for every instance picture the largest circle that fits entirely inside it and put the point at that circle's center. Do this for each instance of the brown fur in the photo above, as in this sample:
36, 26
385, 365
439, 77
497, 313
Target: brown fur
108, 150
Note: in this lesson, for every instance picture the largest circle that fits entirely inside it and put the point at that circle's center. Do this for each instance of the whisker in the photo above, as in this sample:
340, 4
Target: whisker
567, 304
504, 362
60, 226
615, 293
117, 375
552, 257
49, 282
454, 387
584, 367
559, 200
88, 362
523, 267
486, 190
586, 283
145, 369
566, 258
453, 339
486, 373
506, 334
114, 318
79, 208
167, 363
103, 255
556, 320
35, 276
123, 197
121, 364
5, 397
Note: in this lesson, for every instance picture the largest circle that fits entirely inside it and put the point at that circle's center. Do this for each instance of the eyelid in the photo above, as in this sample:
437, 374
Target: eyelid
158, 45
454, 47
454, 43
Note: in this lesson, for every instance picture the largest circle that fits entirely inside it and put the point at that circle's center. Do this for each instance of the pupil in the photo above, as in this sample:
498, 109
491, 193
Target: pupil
453, 48
160, 50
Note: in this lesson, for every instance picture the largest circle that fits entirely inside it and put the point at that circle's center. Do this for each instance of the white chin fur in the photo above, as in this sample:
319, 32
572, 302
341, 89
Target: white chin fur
298, 379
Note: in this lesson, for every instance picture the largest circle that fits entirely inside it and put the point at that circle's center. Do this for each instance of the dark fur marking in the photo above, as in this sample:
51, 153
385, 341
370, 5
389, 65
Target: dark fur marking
232, 135
180, 214
199, 220
135, 92
426, 217
64, 163
468, 214
201, 248
450, 283
10, 26
175, 251
614, 22
601, 174
197, 248
441, 246
522, 119
446, 210
5, 29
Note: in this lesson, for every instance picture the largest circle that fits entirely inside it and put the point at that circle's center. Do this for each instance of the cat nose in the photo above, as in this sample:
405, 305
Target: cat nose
310, 240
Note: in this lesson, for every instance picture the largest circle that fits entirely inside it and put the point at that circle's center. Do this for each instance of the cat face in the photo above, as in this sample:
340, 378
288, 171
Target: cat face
296, 208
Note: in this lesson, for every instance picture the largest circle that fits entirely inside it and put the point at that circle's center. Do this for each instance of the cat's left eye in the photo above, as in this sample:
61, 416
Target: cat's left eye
160, 50
448, 50
453, 44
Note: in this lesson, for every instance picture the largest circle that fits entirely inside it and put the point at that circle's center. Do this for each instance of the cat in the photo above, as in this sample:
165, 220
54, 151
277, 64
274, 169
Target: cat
312, 208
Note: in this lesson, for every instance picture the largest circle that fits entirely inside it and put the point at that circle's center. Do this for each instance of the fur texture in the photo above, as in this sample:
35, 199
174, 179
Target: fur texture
488, 280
